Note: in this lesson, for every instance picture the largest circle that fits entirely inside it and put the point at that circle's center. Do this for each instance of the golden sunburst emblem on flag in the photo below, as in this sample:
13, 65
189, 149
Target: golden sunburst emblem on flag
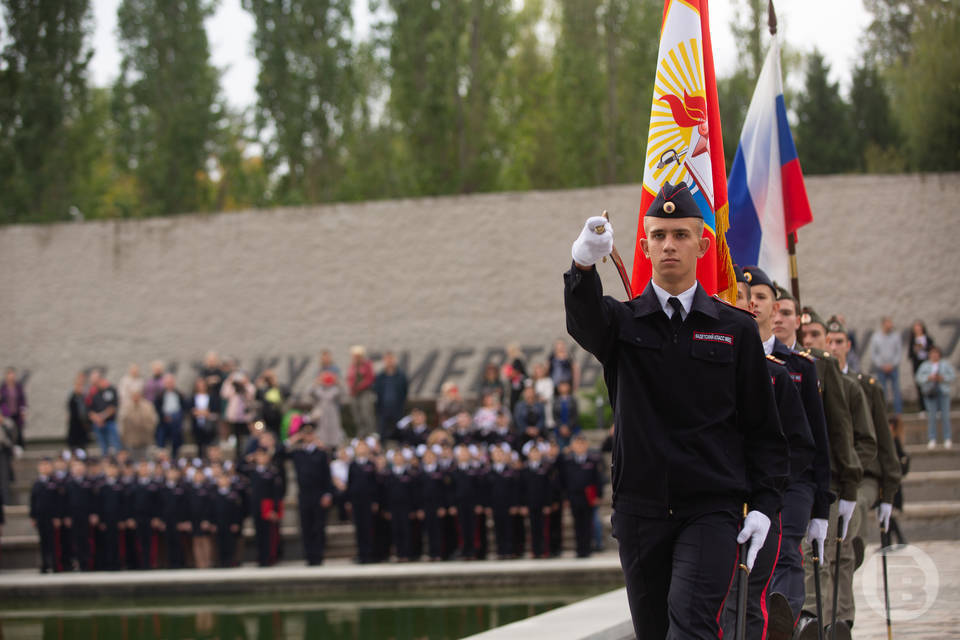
678, 113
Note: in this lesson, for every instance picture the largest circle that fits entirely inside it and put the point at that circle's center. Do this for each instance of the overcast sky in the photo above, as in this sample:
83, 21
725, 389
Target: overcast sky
833, 26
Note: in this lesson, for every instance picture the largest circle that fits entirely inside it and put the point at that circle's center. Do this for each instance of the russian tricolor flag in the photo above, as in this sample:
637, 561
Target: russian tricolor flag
768, 200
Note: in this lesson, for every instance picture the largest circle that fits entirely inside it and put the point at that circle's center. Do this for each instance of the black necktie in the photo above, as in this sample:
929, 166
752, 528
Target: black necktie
676, 320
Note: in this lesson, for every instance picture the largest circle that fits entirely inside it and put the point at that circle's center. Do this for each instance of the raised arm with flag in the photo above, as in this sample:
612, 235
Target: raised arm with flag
685, 142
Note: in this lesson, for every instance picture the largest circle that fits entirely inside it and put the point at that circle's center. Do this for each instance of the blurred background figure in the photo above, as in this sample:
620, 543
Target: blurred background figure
935, 377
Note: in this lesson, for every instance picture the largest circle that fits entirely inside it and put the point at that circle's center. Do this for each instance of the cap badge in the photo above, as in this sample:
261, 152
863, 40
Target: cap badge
748, 276
669, 207
805, 318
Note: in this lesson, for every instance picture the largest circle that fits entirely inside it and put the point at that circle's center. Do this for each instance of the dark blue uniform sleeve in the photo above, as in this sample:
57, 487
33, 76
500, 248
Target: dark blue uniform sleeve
591, 320
793, 419
765, 448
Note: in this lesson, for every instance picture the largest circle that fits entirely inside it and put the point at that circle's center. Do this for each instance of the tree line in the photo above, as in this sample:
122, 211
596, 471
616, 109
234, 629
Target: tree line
443, 97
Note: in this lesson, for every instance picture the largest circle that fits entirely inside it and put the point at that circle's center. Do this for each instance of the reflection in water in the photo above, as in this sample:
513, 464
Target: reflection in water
301, 622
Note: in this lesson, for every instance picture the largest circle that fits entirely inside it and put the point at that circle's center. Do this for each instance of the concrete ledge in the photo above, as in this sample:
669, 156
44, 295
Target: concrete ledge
16, 589
604, 617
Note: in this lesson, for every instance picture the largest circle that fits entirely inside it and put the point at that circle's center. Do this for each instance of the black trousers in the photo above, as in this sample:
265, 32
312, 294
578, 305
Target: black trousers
556, 532
503, 530
400, 525
583, 528
48, 550
758, 587
678, 571
434, 526
468, 530
111, 547
313, 528
174, 542
363, 518
539, 532
226, 546
794, 518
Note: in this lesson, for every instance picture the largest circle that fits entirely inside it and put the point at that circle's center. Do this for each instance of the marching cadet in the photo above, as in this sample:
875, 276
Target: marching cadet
143, 513
362, 500
174, 517
757, 293
845, 469
113, 516
697, 433
266, 492
315, 491
814, 336
45, 511
580, 476
434, 500
227, 520
881, 475
80, 516
538, 489
504, 497
399, 497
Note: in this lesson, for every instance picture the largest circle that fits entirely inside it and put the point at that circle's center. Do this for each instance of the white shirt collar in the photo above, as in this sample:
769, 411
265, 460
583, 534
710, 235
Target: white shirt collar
768, 344
846, 368
686, 299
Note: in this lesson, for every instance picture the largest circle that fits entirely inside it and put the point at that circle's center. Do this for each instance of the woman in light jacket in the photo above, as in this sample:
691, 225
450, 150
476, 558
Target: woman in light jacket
935, 377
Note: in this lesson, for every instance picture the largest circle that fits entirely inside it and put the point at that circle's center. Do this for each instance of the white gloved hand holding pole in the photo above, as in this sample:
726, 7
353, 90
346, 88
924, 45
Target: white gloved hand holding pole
590, 247
883, 515
846, 507
755, 528
817, 531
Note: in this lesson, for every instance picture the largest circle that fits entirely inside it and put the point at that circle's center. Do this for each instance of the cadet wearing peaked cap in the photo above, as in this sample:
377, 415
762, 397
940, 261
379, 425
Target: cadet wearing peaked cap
677, 363
798, 495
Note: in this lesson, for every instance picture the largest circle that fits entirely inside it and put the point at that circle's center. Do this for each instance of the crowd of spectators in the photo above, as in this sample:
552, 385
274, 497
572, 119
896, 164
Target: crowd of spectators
412, 489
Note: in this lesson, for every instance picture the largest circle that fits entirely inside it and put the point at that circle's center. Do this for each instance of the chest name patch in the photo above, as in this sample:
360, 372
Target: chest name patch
797, 377
713, 337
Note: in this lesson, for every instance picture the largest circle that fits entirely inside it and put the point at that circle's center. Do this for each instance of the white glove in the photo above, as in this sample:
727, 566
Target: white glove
590, 247
883, 515
817, 531
755, 528
846, 507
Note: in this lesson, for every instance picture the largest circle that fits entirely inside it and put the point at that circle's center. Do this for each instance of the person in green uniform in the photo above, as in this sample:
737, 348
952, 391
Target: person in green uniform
814, 332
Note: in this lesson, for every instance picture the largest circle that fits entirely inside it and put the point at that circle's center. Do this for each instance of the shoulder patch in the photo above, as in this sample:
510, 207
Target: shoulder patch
733, 306
773, 358
807, 355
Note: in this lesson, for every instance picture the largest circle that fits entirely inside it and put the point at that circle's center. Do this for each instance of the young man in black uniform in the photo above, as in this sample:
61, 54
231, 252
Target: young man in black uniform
79, 516
580, 476
143, 511
538, 488
227, 520
174, 518
697, 433
45, 511
363, 500
504, 490
267, 502
315, 491
399, 495
434, 499
112, 508
466, 503
764, 616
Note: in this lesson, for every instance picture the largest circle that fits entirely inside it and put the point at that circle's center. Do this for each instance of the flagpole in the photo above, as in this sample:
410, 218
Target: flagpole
791, 237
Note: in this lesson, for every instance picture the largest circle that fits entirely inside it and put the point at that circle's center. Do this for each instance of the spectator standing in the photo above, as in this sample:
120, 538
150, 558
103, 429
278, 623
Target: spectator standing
153, 386
919, 352
935, 377
450, 403
271, 397
171, 408
545, 388
562, 367
131, 380
886, 351
103, 413
529, 416
325, 415
78, 427
390, 385
138, 424
8, 438
515, 373
360, 380
13, 402
202, 415
492, 384
238, 396
213, 375
327, 364
566, 416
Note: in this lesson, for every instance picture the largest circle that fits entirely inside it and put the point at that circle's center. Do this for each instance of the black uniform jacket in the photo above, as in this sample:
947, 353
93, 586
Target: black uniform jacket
793, 419
697, 427
804, 374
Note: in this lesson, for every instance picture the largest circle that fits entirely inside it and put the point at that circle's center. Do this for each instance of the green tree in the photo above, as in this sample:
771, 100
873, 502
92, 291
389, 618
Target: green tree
823, 132
43, 68
165, 101
876, 137
305, 92
927, 88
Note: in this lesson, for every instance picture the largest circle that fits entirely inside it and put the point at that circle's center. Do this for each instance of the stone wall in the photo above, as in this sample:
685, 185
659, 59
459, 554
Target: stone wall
446, 282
